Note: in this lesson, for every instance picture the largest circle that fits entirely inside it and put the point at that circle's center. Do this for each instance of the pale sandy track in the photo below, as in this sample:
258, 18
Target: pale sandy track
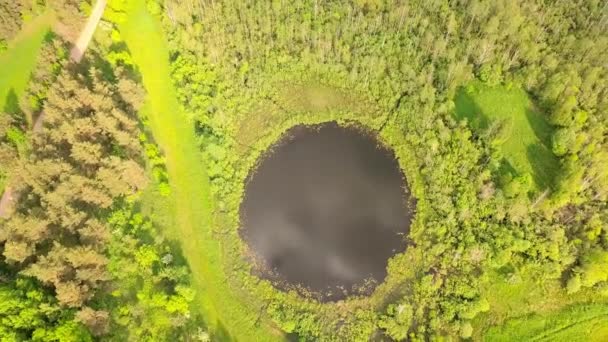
76, 56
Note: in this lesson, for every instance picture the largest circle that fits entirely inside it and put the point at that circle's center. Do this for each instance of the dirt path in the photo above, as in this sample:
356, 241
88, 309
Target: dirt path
76, 56
87, 33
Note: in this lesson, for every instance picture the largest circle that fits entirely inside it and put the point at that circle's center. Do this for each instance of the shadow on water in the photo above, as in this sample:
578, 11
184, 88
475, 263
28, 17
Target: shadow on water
325, 211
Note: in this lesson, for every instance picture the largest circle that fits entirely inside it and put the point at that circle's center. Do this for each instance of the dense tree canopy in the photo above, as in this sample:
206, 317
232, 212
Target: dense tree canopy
80, 259
411, 59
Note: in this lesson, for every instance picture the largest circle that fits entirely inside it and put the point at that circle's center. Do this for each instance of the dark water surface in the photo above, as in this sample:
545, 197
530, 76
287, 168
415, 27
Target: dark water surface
326, 210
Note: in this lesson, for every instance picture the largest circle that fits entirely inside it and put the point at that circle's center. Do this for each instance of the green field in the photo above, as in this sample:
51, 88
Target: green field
526, 137
576, 323
523, 299
20, 59
192, 206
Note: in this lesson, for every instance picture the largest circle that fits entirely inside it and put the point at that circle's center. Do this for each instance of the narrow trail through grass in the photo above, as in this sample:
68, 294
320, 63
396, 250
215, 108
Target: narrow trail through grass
19, 60
192, 205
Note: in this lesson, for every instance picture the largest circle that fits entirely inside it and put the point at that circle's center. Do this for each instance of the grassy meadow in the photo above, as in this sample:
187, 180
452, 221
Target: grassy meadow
525, 137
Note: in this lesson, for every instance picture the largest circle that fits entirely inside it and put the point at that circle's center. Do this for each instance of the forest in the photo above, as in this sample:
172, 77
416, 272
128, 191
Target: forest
133, 134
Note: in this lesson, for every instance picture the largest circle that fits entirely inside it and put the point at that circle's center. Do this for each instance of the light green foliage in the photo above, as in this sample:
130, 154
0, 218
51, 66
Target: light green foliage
156, 165
152, 296
466, 330
28, 312
593, 268
563, 141
397, 321
574, 284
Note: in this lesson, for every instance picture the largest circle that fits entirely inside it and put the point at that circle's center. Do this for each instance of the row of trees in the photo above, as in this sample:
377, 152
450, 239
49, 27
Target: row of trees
84, 157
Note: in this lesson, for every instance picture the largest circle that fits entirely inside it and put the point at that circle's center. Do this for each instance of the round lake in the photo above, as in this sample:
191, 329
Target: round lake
325, 210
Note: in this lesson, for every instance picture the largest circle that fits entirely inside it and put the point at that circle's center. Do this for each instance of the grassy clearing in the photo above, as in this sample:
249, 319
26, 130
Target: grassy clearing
20, 59
526, 139
293, 97
524, 295
576, 323
191, 205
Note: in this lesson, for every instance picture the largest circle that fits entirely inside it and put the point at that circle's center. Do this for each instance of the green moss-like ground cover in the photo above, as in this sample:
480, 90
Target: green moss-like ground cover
526, 136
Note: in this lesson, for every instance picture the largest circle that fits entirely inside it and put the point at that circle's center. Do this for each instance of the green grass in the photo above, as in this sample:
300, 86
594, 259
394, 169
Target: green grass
526, 294
19, 60
225, 313
576, 323
526, 139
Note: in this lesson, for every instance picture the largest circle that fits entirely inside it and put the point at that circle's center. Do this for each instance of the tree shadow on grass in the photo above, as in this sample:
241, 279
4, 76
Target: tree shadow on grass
467, 108
544, 164
542, 129
13, 109
506, 168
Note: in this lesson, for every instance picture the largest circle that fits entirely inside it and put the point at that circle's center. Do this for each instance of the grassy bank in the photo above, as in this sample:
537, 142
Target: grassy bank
191, 206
